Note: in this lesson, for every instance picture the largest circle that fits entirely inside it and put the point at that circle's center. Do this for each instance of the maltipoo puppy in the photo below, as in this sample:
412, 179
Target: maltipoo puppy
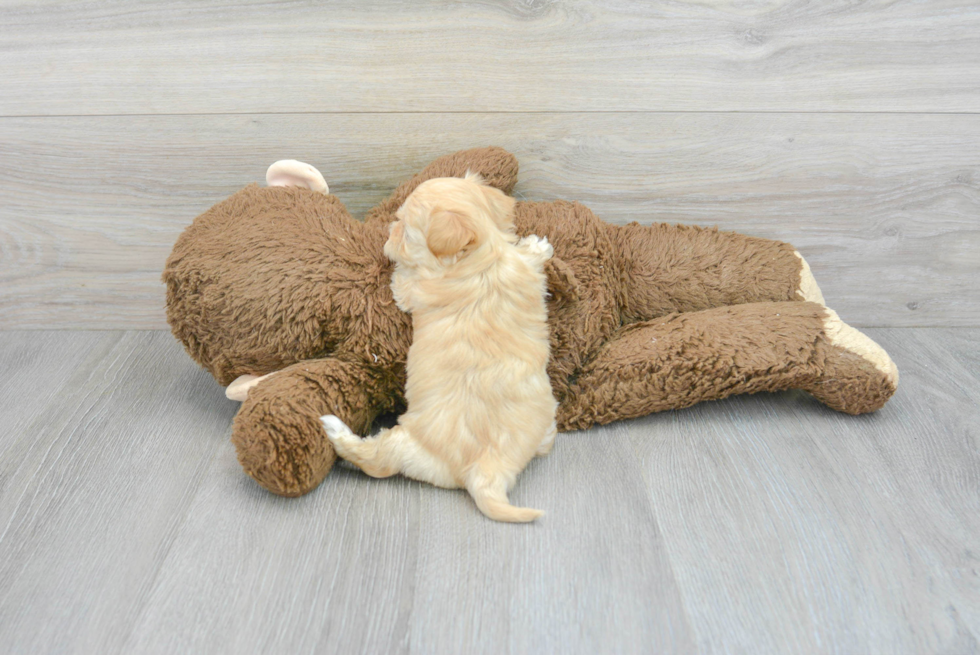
479, 399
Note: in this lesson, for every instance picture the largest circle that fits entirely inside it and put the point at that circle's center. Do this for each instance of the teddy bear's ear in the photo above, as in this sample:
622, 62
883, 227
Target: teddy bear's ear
449, 232
289, 172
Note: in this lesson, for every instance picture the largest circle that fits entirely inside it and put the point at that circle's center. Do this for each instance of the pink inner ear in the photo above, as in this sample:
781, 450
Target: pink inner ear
284, 179
289, 172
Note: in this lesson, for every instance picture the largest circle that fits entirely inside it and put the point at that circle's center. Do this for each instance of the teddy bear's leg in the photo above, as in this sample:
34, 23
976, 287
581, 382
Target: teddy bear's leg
678, 268
278, 434
682, 359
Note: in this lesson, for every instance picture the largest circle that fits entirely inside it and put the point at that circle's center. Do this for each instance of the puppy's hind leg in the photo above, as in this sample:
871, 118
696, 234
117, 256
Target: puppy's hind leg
391, 451
488, 485
548, 442
368, 454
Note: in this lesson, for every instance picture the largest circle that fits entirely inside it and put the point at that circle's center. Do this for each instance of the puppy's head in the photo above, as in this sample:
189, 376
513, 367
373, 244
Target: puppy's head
446, 219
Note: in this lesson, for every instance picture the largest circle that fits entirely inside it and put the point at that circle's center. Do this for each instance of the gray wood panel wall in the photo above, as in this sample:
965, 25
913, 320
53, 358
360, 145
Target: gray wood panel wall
848, 129
254, 56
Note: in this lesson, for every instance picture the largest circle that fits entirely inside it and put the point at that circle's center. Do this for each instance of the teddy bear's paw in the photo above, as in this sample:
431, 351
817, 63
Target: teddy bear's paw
239, 388
844, 336
858, 375
808, 290
289, 172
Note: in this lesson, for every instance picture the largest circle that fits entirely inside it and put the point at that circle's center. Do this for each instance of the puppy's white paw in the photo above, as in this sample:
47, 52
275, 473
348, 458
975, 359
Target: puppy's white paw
537, 246
336, 429
340, 436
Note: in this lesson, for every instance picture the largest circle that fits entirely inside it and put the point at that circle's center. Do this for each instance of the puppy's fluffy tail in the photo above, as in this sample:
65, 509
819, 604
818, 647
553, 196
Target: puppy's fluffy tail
490, 493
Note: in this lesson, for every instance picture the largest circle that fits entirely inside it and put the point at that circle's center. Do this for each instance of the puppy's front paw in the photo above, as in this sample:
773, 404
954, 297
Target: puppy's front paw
537, 247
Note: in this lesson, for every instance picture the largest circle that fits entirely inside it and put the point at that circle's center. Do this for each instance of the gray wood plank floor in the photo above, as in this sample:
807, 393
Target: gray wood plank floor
762, 524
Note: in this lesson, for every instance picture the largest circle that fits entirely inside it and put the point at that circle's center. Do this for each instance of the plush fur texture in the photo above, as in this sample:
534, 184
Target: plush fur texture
642, 317
479, 399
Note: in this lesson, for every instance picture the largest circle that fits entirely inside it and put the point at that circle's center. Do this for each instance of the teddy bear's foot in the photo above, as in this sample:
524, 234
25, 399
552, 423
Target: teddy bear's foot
238, 390
278, 433
858, 375
808, 291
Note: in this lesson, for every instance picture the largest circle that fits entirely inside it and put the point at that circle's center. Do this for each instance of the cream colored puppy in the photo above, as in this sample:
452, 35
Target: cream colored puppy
479, 399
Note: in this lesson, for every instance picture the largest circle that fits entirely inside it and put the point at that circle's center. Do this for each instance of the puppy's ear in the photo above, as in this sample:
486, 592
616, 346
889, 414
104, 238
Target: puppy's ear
500, 206
449, 232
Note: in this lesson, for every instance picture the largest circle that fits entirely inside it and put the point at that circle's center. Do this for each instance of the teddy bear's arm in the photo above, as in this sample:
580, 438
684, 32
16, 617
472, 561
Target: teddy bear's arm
680, 268
497, 167
277, 431
681, 359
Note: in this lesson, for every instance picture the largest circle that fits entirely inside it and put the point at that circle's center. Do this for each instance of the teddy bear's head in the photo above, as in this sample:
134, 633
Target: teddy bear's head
281, 274
264, 250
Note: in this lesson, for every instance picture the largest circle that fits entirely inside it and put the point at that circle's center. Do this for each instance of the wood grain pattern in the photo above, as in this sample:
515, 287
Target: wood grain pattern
590, 576
762, 524
795, 529
72, 58
884, 207
330, 572
106, 437
41, 375
371, 566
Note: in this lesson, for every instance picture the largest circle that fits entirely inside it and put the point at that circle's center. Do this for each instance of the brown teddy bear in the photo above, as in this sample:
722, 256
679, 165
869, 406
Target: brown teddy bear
281, 280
